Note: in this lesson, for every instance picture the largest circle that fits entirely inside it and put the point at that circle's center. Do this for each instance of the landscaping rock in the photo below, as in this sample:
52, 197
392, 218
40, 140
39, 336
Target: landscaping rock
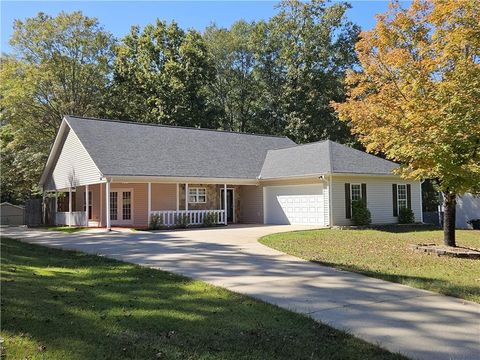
442, 250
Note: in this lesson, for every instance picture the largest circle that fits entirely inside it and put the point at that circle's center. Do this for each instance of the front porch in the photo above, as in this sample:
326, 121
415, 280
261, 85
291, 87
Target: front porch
133, 204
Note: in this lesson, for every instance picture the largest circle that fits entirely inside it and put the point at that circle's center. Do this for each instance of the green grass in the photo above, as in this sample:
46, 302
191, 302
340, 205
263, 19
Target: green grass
66, 229
69, 305
386, 255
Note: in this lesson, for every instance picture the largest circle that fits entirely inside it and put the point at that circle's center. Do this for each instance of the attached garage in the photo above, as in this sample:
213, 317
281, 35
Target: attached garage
296, 205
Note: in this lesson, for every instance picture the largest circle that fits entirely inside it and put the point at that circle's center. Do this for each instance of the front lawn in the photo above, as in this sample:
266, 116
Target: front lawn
386, 255
67, 229
69, 305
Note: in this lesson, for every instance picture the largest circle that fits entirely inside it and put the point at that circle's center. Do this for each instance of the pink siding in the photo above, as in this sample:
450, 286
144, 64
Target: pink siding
164, 196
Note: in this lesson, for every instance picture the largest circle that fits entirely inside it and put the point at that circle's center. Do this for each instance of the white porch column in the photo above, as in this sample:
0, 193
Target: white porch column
69, 206
186, 197
87, 202
107, 204
56, 202
225, 201
149, 195
178, 197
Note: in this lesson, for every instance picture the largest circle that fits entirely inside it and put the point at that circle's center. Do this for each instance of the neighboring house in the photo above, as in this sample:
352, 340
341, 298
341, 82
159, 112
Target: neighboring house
12, 214
468, 208
128, 171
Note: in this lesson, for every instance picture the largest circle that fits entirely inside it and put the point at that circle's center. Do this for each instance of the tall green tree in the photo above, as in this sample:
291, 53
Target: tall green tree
161, 75
59, 65
234, 90
317, 46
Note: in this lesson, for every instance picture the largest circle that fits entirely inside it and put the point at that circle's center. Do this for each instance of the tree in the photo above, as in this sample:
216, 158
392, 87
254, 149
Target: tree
234, 90
416, 98
59, 65
161, 76
316, 48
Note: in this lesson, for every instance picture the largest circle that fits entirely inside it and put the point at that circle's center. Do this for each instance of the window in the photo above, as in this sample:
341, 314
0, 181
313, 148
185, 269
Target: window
89, 204
197, 195
127, 205
62, 202
402, 196
113, 205
356, 191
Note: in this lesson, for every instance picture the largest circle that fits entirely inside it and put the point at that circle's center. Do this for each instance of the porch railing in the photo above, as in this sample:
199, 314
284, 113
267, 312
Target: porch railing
194, 217
78, 218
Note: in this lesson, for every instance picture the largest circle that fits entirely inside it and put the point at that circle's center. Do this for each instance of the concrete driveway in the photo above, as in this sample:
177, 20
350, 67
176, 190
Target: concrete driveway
417, 323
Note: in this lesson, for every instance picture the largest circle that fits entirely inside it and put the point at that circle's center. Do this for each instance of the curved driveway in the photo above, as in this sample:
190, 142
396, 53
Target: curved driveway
417, 323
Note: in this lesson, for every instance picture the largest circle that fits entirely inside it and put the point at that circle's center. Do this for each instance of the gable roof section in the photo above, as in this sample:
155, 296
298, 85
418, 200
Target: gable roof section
323, 157
121, 148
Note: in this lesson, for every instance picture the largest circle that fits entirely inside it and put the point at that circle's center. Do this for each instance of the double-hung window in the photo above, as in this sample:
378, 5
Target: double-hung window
356, 191
197, 195
402, 196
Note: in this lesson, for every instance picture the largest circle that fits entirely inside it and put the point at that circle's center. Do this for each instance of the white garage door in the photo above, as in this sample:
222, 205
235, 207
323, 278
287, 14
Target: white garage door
295, 204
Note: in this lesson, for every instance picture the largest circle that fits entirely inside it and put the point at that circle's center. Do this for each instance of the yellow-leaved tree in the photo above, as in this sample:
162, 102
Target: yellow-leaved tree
416, 98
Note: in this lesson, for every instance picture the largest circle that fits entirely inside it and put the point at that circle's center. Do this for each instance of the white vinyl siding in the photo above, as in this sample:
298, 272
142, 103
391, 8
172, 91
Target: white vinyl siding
379, 198
74, 166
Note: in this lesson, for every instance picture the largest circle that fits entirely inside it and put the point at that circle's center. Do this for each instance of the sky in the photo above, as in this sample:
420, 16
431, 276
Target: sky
118, 16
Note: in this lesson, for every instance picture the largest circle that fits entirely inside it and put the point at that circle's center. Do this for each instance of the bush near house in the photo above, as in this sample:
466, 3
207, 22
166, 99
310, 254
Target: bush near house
475, 223
406, 216
360, 213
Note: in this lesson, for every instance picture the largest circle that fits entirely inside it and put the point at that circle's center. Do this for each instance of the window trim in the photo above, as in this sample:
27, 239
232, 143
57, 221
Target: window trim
398, 197
197, 195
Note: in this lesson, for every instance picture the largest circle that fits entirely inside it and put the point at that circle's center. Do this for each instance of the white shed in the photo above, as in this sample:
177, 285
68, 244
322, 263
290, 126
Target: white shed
12, 214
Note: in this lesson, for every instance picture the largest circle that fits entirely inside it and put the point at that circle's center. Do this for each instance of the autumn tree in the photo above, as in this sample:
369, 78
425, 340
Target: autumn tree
58, 65
416, 98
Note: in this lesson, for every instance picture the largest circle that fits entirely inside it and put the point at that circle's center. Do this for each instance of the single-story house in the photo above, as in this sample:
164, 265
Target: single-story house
126, 172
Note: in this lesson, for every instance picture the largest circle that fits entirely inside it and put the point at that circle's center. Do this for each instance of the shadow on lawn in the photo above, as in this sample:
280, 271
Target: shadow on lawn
440, 286
87, 307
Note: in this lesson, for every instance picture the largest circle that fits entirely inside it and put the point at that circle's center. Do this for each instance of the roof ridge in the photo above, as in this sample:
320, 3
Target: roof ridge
300, 145
174, 126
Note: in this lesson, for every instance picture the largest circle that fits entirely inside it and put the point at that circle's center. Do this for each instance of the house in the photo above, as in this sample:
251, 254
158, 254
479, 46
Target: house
467, 208
12, 214
113, 173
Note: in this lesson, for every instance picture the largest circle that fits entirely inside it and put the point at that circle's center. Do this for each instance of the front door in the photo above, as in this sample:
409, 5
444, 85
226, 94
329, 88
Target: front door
230, 201
121, 207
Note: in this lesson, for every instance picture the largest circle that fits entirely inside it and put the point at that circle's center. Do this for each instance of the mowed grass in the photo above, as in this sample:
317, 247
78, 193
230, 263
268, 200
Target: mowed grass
69, 305
66, 229
386, 255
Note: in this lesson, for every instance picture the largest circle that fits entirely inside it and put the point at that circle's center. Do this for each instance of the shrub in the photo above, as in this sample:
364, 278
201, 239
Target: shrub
154, 222
475, 223
360, 213
405, 216
210, 219
181, 221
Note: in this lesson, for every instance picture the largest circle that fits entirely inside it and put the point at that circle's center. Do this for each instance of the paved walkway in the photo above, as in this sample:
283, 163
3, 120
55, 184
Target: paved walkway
417, 323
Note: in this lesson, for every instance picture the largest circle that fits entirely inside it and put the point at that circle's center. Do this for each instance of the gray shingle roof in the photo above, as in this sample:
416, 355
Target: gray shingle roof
133, 149
321, 158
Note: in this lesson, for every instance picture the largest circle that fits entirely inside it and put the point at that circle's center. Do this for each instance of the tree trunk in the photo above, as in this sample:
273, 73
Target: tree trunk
449, 205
